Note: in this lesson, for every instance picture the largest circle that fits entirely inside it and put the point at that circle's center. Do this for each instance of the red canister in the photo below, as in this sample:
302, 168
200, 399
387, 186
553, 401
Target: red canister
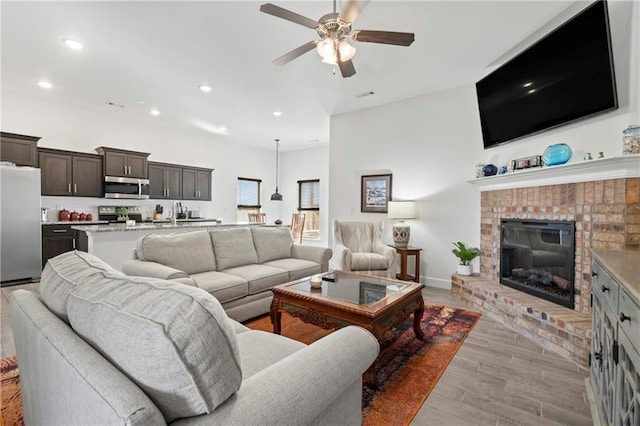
63, 215
83, 216
75, 216
89, 217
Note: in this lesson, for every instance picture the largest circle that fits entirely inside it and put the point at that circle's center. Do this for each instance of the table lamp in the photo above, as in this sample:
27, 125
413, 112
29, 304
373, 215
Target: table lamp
402, 210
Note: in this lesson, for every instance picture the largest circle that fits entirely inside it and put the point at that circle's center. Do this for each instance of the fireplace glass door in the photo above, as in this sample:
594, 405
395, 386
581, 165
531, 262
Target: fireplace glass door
537, 257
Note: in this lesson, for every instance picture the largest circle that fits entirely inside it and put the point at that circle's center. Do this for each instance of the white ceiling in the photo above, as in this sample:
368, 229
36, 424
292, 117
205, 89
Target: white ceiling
159, 52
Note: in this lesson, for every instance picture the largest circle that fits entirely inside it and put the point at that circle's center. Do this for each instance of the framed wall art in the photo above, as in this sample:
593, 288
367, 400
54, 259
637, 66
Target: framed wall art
375, 193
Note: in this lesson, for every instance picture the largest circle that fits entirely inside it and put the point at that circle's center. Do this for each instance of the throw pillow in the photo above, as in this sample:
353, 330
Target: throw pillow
174, 341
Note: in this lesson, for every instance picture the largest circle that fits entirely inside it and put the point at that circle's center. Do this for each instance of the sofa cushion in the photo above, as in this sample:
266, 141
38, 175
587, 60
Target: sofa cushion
298, 268
174, 341
272, 242
260, 277
65, 272
190, 252
233, 247
223, 287
368, 262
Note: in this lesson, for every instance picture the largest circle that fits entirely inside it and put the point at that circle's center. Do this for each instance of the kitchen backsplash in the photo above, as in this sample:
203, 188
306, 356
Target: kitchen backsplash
90, 205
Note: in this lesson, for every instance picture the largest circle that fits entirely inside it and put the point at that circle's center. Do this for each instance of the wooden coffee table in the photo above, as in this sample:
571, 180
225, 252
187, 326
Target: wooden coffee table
375, 303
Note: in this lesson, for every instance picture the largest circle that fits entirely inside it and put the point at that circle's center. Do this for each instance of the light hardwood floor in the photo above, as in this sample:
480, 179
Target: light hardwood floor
497, 377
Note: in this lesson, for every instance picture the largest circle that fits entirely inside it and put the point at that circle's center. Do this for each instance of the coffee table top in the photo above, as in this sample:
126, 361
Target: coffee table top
364, 293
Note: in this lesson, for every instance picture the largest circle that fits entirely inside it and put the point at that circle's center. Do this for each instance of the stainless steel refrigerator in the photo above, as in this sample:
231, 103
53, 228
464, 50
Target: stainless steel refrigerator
20, 225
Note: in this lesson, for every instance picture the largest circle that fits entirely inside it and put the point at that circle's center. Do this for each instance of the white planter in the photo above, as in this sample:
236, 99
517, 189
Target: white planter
464, 270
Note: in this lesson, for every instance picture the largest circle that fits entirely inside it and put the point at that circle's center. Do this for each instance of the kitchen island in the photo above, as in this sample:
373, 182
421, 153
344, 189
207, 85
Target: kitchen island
115, 243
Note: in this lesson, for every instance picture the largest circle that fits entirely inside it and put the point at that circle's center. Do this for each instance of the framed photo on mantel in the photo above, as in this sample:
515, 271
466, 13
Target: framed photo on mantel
375, 193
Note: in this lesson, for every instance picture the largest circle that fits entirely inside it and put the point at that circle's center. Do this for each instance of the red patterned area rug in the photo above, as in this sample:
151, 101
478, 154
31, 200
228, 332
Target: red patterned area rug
408, 368
11, 414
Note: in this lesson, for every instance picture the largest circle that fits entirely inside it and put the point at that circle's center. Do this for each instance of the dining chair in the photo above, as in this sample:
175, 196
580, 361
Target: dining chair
297, 226
257, 217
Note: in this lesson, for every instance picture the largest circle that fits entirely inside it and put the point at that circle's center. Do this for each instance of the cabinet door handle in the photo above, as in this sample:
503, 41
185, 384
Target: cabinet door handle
594, 274
74, 243
59, 230
605, 288
125, 169
75, 188
167, 192
624, 317
129, 169
69, 188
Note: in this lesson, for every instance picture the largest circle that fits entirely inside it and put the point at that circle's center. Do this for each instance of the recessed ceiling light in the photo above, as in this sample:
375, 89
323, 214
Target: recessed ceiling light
532, 90
527, 84
205, 88
72, 44
154, 112
222, 129
277, 113
45, 84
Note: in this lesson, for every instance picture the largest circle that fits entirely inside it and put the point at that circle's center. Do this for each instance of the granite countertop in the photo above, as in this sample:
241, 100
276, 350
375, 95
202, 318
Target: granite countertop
121, 227
77, 222
624, 265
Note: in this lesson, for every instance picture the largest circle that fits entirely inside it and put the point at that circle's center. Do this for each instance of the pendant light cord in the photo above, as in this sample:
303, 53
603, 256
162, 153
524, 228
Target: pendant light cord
277, 159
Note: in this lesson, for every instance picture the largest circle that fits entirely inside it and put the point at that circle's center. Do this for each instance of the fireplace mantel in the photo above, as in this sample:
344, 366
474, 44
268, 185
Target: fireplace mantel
627, 166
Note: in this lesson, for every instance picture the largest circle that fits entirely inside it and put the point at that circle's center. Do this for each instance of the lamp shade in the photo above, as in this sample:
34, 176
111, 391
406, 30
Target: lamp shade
402, 210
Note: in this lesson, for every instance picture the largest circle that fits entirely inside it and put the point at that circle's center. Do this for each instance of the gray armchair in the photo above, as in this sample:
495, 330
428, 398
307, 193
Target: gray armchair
358, 247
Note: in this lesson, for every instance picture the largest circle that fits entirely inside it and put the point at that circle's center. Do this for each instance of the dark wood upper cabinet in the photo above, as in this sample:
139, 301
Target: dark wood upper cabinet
196, 184
119, 162
165, 181
19, 149
65, 173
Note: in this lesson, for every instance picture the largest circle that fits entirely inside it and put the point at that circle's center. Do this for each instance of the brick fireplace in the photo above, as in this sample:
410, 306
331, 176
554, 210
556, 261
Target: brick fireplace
606, 214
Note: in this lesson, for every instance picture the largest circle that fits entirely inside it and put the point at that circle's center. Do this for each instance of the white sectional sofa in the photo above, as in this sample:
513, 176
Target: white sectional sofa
237, 266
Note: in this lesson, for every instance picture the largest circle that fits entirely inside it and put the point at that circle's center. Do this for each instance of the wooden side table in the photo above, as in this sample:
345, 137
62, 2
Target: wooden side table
405, 252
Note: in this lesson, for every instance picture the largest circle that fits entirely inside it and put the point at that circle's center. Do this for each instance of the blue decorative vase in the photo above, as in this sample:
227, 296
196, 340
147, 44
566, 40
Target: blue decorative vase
489, 170
558, 153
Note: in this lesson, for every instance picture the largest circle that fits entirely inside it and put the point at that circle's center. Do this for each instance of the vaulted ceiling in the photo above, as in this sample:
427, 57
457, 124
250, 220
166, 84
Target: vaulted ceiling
148, 55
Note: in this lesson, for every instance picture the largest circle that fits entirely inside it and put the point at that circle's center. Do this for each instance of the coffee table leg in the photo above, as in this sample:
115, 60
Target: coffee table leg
370, 378
417, 319
276, 316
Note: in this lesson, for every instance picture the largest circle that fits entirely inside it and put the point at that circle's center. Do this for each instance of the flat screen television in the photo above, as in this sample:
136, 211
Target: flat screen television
566, 76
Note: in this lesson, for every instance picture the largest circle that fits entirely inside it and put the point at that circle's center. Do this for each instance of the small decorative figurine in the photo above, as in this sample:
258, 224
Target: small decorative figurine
601, 154
588, 156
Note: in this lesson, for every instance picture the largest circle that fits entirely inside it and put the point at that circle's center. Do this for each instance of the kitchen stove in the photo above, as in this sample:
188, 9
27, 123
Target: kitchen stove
110, 213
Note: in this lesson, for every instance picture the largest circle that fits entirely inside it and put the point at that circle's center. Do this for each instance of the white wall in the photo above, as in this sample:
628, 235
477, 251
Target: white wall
306, 164
83, 130
431, 144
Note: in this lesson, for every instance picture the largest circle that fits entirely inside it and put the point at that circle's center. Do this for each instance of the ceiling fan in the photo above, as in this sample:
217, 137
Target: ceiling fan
334, 30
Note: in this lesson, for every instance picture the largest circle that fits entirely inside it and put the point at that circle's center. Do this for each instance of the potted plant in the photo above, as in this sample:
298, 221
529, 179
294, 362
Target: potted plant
466, 255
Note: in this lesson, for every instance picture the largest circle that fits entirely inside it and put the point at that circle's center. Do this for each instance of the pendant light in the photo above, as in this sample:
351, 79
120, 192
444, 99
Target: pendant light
276, 196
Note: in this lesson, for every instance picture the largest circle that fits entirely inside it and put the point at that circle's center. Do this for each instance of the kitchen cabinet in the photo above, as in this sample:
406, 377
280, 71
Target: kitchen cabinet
119, 162
19, 149
65, 173
57, 239
165, 181
196, 184
615, 344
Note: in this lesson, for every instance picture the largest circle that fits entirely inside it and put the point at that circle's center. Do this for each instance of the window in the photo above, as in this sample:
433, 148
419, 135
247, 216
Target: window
309, 203
248, 197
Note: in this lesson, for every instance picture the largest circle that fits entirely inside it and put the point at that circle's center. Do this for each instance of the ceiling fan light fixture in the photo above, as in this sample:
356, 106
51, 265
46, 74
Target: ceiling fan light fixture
326, 48
331, 60
346, 50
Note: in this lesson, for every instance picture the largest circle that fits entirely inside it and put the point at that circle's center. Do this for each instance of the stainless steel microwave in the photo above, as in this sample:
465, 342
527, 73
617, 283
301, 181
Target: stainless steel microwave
124, 187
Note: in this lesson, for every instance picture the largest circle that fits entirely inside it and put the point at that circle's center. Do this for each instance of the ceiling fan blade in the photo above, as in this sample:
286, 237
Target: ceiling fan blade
346, 68
280, 12
384, 37
298, 51
352, 10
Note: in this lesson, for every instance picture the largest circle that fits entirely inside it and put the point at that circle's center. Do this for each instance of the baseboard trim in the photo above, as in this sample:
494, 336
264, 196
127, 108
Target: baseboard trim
437, 282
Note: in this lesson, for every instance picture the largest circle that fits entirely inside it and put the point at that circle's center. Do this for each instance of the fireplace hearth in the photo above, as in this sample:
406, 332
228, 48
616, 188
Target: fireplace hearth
537, 257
